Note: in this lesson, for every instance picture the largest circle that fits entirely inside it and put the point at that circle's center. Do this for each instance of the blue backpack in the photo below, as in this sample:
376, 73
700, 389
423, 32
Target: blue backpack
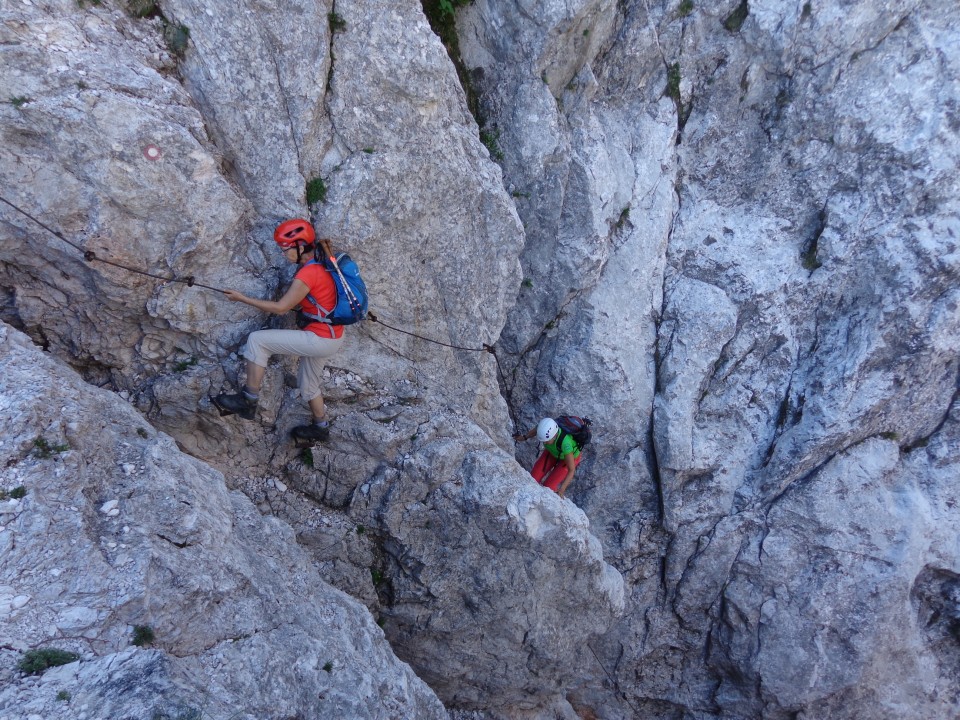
352, 296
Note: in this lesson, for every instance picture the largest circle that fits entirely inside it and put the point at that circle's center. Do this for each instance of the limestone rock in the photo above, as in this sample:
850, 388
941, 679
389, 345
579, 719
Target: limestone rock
95, 100
726, 232
229, 596
773, 212
494, 585
388, 132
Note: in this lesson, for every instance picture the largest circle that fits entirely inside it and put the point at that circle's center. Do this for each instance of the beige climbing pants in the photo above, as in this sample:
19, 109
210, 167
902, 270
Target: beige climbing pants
309, 347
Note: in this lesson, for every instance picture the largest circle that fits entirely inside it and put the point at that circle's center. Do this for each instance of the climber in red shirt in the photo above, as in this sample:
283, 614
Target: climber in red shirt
315, 341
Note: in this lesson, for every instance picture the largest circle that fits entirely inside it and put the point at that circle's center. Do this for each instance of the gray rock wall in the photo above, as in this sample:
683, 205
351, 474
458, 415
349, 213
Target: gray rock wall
808, 267
724, 232
96, 92
413, 195
118, 529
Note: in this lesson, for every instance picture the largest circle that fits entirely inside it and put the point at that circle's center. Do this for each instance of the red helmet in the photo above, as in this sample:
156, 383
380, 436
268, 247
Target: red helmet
291, 233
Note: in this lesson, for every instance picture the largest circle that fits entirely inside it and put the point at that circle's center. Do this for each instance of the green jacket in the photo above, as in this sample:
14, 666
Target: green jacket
567, 446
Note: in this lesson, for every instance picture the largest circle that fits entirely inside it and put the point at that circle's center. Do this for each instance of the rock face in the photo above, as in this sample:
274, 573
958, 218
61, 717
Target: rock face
725, 233
420, 424
95, 91
496, 585
781, 172
119, 529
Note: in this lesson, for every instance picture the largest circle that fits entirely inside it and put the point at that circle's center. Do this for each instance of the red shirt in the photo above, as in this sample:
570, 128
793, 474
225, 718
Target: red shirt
324, 291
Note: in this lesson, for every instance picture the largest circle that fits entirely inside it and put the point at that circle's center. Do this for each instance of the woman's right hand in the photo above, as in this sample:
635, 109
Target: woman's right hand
235, 296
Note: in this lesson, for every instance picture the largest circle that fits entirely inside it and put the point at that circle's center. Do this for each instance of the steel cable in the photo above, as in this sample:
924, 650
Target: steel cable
190, 281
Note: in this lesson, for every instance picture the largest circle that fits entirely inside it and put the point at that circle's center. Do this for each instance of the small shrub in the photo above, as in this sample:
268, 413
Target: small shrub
63, 696
673, 83
381, 621
142, 8
316, 191
368, 151
328, 666
18, 492
807, 11
177, 38
18, 101
443, 8
686, 7
361, 529
376, 576
337, 23
491, 141
142, 635
184, 364
809, 260
527, 283
81, 85
142, 432
735, 20
306, 457
44, 450
34, 662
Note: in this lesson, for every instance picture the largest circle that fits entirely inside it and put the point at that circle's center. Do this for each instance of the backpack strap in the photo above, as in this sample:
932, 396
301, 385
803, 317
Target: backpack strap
322, 312
558, 443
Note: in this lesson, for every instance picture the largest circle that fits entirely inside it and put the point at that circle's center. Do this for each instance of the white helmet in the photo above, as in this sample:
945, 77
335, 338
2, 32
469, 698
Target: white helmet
547, 430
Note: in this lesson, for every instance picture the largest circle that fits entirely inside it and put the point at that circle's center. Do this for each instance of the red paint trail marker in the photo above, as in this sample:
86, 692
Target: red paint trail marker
151, 152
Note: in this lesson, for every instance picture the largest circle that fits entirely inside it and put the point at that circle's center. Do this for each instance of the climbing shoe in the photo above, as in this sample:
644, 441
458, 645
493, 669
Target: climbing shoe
309, 434
238, 404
